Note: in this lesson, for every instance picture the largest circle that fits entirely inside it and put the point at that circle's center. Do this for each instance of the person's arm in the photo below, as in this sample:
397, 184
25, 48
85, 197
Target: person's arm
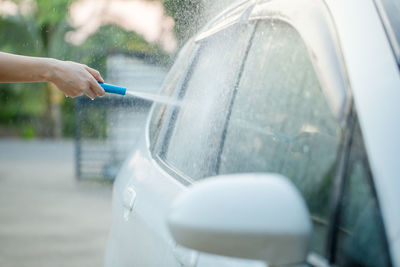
72, 78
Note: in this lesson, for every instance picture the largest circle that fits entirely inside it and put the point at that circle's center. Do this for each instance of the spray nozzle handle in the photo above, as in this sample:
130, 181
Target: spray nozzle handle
113, 89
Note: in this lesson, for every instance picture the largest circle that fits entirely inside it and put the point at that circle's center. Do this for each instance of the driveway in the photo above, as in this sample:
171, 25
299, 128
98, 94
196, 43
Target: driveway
46, 217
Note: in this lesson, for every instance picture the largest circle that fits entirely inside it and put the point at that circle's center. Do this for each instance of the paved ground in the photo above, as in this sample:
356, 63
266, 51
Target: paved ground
46, 217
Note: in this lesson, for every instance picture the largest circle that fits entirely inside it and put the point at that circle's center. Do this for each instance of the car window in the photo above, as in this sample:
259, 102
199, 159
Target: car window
170, 83
199, 122
281, 122
361, 237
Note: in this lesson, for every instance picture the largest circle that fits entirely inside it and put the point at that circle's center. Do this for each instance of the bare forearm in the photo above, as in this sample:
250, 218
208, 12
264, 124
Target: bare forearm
15, 68
70, 77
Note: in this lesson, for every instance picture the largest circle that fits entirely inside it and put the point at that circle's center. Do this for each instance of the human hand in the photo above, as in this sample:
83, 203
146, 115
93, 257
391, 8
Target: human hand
75, 79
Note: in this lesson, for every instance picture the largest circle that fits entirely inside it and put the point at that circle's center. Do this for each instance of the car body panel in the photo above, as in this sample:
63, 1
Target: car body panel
140, 237
140, 231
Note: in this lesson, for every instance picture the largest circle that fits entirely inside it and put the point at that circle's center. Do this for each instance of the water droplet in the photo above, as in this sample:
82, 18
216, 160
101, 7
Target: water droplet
126, 215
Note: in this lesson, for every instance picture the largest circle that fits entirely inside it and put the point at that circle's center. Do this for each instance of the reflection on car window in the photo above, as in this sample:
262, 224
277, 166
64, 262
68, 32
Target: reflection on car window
361, 240
281, 123
199, 123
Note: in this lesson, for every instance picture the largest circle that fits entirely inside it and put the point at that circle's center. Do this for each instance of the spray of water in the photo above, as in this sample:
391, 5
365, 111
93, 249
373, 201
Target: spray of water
155, 98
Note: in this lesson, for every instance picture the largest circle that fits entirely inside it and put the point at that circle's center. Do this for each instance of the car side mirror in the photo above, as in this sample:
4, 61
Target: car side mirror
253, 216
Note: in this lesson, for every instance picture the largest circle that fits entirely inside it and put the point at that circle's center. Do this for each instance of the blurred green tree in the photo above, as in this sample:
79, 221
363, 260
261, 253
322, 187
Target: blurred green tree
36, 33
191, 15
188, 17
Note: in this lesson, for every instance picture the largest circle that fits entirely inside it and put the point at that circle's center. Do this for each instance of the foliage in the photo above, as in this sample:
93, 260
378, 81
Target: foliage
51, 12
68, 118
111, 39
187, 15
21, 43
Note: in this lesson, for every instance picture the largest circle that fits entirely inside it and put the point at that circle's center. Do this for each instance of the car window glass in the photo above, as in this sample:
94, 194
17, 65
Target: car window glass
199, 122
361, 237
170, 83
281, 123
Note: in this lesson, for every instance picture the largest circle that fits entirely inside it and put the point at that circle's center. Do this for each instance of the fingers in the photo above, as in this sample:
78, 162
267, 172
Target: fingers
78, 91
83, 88
80, 79
90, 93
94, 73
95, 87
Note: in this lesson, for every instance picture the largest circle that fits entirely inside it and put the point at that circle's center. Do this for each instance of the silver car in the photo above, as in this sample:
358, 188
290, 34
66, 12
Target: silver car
282, 146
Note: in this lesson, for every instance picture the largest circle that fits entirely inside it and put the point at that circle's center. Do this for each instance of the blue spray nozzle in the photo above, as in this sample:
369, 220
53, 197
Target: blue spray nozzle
113, 89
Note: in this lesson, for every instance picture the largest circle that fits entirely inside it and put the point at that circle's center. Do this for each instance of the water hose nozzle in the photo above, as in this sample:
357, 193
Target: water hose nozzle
113, 89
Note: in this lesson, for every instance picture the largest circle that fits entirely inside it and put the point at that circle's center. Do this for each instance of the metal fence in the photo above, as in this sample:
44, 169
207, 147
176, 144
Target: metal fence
106, 130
